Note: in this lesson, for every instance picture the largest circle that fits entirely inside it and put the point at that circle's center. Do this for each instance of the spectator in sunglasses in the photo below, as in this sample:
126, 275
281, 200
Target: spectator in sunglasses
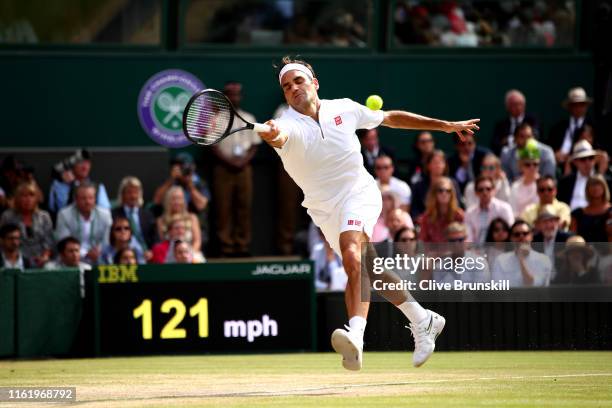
602, 159
121, 237
523, 135
572, 187
441, 208
491, 167
479, 216
522, 266
547, 194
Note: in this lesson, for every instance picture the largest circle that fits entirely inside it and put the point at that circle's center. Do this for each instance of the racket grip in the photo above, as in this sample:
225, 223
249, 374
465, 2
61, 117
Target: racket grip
260, 127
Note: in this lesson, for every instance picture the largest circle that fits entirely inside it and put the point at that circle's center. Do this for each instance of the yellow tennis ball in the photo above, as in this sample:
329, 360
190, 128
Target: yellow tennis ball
374, 102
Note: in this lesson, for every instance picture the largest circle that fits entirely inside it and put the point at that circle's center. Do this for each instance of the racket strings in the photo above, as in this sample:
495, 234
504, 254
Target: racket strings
208, 118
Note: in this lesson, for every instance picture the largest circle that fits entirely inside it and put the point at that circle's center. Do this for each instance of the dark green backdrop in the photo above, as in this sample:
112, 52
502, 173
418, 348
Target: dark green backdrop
67, 98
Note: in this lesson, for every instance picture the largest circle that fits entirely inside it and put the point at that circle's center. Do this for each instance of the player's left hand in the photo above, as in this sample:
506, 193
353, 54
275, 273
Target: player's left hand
467, 126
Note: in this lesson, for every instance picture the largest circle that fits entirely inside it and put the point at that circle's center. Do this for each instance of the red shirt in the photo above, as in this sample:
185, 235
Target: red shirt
160, 250
436, 231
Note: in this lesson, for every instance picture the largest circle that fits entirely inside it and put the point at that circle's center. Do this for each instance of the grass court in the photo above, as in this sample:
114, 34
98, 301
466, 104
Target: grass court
449, 379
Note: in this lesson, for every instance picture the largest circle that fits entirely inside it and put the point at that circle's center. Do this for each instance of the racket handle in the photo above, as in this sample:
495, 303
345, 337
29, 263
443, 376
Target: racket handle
260, 127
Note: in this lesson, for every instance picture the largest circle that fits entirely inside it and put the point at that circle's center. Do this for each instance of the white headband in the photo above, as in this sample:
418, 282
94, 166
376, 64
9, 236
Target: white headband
297, 67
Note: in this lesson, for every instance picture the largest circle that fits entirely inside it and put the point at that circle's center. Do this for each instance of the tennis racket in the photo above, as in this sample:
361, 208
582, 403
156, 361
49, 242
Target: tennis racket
209, 116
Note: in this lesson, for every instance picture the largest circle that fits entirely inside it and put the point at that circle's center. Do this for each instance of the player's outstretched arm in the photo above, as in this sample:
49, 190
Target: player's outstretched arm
274, 137
408, 120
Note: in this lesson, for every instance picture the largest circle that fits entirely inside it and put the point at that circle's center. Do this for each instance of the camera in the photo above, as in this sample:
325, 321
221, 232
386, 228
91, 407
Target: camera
187, 169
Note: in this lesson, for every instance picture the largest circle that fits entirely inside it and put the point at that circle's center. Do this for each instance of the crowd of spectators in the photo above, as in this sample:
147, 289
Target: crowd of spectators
520, 201
451, 23
445, 23
531, 188
78, 225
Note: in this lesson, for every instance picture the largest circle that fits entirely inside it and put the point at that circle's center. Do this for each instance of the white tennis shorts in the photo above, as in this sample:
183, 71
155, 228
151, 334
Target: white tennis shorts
358, 211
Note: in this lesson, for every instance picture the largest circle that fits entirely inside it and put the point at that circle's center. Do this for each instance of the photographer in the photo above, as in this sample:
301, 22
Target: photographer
182, 173
60, 187
68, 175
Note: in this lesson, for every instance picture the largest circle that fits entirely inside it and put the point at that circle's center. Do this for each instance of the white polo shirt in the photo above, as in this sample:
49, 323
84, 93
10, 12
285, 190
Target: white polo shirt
324, 157
507, 266
400, 188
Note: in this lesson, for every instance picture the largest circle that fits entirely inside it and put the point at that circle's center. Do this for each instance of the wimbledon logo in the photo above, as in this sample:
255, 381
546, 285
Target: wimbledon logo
161, 103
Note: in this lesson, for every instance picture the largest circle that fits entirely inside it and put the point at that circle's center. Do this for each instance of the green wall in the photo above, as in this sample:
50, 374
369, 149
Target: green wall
70, 98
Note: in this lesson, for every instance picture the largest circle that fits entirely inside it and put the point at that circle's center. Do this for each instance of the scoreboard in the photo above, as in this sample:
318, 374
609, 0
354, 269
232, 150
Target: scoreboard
214, 307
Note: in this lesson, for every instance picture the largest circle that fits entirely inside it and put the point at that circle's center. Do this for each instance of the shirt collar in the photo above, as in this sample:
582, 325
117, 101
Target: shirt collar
16, 265
128, 210
296, 114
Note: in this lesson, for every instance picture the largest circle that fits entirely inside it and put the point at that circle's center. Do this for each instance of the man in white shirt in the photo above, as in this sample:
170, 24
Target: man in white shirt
383, 168
479, 216
68, 251
523, 266
315, 140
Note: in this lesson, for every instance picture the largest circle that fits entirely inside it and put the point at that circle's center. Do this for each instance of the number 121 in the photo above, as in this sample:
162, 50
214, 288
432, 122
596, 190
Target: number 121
170, 329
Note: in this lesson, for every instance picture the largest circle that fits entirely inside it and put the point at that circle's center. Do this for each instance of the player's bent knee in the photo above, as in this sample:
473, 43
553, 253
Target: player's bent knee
351, 260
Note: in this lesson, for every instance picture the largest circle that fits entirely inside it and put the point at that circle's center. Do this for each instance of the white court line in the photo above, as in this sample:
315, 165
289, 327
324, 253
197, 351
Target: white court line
418, 382
299, 391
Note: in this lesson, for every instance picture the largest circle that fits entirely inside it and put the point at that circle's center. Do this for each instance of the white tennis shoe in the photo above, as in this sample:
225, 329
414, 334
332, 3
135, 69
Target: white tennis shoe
349, 343
425, 334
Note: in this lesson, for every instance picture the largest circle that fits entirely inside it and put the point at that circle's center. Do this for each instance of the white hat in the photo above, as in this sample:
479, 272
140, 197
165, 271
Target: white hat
582, 149
576, 95
547, 211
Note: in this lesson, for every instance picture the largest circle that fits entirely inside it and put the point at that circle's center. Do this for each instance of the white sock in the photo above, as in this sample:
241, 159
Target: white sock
357, 323
413, 311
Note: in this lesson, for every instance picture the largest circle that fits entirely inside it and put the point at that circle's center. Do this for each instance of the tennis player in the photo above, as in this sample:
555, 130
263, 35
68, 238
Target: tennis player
320, 151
